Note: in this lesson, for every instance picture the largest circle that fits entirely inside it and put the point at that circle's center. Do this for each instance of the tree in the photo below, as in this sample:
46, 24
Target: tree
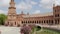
2, 19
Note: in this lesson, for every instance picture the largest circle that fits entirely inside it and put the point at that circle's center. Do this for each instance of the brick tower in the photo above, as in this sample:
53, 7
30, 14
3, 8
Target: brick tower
12, 8
56, 14
11, 14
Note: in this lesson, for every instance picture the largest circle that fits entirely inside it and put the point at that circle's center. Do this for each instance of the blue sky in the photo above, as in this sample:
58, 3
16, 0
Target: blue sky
31, 6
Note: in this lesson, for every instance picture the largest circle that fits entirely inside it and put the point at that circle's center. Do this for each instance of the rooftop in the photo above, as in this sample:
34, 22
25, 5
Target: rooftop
38, 15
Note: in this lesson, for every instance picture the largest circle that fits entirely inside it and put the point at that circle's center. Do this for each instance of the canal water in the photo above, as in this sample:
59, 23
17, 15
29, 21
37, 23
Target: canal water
9, 30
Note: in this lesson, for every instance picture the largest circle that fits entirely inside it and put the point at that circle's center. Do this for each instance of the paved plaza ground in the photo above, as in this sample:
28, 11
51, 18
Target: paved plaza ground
16, 30
9, 30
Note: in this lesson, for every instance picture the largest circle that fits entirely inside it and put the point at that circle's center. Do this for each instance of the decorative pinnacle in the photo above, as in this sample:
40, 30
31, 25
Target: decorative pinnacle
21, 12
53, 3
12, 0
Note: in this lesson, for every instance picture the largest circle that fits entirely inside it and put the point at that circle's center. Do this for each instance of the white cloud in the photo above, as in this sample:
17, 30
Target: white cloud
46, 1
57, 2
28, 1
24, 6
46, 4
33, 3
3, 12
27, 5
4, 3
37, 12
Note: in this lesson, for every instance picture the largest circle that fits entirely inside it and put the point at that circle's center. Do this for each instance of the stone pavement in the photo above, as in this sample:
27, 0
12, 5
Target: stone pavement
9, 30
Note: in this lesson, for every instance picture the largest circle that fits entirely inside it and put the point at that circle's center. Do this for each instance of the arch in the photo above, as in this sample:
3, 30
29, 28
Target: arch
26, 22
39, 22
47, 21
30, 21
22, 22
35, 22
18, 25
8, 23
11, 24
15, 23
57, 21
44, 21
51, 22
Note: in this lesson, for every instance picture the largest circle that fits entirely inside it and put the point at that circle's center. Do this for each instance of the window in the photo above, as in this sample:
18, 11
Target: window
56, 15
8, 23
54, 10
57, 21
58, 10
52, 21
15, 23
47, 21
42, 21
35, 21
22, 21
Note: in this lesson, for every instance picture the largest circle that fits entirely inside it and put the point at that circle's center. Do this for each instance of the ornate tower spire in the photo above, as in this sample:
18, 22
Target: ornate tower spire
12, 3
12, 0
28, 13
53, 3
11, 13
22, 12
12, 8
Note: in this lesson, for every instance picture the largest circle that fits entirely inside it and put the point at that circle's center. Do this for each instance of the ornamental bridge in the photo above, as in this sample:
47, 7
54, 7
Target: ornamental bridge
56, 27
